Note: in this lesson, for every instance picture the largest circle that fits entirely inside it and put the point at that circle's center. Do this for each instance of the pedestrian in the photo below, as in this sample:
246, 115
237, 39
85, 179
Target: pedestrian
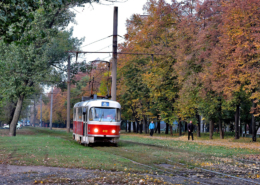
190, 130
151, 128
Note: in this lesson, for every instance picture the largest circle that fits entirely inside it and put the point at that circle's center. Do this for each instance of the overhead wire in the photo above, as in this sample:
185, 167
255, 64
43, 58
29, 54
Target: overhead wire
96, 41
105, 48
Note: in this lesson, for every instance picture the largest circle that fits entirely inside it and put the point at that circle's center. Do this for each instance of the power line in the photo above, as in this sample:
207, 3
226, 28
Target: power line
96, 41
104, 47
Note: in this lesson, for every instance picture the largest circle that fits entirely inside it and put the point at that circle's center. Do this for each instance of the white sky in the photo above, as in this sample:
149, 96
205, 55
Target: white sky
96, 22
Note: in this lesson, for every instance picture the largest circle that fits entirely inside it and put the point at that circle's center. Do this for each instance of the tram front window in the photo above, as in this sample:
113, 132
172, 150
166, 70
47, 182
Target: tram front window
104, 114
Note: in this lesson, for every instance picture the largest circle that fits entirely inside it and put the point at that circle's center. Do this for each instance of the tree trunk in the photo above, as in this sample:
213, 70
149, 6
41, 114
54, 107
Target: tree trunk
171, 130
198, 129
211, 129
236, 122
250, 124
134, 128
155, 129
179, 127
126, 125
140, 127
253, 124
245, 129
12, 131
145, 125
137, 127
13, 106
167, 128
129, 126
186, 126
158, 125
240, 130
221, 134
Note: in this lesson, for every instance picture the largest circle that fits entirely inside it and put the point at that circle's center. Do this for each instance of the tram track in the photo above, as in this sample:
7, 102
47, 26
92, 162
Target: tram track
199, 168
170, 173
167, 171
153, 167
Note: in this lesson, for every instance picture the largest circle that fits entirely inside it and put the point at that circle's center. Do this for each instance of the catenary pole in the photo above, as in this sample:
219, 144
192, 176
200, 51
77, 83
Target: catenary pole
114, 62
41, 111
68, 96
51, 108
34, 110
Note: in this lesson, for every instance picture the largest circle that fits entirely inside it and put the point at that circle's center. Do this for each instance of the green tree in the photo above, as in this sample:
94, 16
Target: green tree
24, 67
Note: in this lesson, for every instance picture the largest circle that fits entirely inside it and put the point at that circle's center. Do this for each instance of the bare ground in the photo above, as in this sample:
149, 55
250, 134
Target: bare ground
11, 174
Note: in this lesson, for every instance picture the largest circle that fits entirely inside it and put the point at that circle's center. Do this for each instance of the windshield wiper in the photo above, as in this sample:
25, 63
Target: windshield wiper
114, 119
101, 117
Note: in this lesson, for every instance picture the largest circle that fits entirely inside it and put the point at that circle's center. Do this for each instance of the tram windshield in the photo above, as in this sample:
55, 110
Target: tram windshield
104, 114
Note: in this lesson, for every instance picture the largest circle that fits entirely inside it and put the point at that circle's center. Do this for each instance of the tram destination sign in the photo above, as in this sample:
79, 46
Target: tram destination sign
105, 104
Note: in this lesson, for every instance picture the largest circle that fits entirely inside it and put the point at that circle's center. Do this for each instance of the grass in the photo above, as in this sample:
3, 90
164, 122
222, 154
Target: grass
43, 147
219, 151
35, 146
204, 136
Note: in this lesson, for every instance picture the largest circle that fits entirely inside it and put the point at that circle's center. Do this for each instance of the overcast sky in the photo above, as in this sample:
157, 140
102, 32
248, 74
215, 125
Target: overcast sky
95, 22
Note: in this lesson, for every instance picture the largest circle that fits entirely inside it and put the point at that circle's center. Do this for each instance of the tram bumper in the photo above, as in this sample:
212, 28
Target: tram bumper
103, 139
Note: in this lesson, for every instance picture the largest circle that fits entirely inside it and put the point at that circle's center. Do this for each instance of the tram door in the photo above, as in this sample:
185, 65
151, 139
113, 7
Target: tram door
85, 119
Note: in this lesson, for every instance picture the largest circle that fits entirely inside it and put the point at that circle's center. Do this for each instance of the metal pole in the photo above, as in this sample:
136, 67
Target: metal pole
34, 111
51, 108
114, 62
68, 96
27, 115
108, 79
253, 123
41, 111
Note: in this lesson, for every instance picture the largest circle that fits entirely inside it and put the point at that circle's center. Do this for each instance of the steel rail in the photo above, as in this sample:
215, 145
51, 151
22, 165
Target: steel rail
247, 180
151, 167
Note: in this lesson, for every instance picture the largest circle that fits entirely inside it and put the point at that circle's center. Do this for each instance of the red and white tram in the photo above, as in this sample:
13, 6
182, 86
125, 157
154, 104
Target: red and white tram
96, 121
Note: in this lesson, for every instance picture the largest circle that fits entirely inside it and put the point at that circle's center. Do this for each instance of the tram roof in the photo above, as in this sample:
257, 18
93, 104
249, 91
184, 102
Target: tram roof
97, 103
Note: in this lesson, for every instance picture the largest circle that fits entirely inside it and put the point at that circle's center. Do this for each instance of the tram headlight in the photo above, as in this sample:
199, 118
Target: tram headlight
113, 131
95, 130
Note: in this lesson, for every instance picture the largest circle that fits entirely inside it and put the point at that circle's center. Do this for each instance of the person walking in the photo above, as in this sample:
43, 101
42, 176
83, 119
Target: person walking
151, 128
190, 130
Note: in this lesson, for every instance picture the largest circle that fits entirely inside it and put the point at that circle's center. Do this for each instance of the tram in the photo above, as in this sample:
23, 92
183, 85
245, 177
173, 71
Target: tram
96, 120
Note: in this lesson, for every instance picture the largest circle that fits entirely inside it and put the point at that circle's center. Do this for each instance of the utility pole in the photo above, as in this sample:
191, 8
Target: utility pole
41, 111
34, 111
51, 108
253, 122
108, 78
68, 96
114, 62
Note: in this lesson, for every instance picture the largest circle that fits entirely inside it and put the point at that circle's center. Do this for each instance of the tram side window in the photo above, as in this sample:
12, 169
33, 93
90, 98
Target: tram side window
118, 115
74, 114
91, 113
80, 114
85, 113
